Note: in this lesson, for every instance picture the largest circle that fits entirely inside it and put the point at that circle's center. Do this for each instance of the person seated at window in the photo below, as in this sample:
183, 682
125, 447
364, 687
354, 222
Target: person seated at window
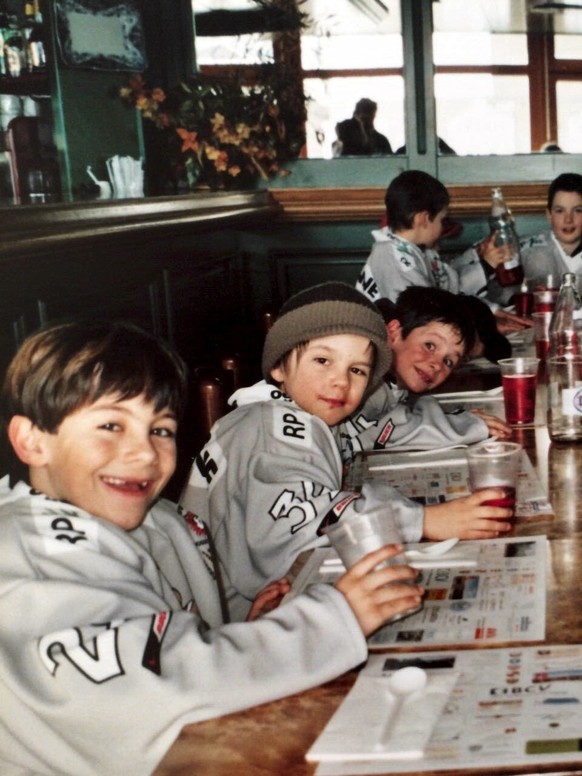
551, 147
443, 146
357, 136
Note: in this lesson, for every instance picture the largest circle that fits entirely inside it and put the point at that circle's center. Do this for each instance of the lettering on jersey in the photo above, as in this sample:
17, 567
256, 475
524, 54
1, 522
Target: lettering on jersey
336, 512
153, 650
209, 466
97, 658
206, 465
368, 285
384, 435
278, 395
63, 531
357, 424
288, 427
299, 510
66, 532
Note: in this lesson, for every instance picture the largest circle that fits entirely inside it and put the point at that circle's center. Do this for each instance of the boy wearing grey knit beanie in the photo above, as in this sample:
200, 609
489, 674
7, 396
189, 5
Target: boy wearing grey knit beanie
270, 479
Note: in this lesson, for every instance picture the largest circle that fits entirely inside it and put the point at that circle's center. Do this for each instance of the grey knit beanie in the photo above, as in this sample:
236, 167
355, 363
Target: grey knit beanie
328, 308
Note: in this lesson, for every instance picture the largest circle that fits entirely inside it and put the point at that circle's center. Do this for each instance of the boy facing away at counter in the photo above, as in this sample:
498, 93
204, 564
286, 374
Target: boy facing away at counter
109, 610
430, 332
270, 478
405, 254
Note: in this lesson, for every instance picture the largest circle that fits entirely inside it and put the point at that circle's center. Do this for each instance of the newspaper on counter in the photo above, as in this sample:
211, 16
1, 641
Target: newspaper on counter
435, 476
492, 591
519, 706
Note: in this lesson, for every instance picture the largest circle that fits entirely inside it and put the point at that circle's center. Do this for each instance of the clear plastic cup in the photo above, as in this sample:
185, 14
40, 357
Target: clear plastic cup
495, 465
357, 535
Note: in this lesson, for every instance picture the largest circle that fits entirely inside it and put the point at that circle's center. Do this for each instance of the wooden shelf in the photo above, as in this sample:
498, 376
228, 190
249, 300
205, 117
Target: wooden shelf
366, 203
29, 83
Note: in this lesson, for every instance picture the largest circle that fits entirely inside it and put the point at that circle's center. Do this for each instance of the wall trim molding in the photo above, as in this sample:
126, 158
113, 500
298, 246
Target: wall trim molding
367, 203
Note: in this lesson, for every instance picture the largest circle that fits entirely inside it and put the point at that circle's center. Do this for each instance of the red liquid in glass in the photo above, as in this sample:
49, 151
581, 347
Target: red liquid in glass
506, 502
544, 307
523, 302
542, 347
519, 394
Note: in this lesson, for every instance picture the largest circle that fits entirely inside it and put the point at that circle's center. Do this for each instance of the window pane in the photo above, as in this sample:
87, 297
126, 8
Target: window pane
334, 99
568, 23
234, 50
568, 46
569, 100
483, 114
479, 32
346, 35
479, 16
479, 48
365, 52
341, 17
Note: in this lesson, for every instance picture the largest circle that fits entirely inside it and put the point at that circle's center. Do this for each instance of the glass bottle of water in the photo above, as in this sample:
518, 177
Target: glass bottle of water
501, 222
566, 324
564, 365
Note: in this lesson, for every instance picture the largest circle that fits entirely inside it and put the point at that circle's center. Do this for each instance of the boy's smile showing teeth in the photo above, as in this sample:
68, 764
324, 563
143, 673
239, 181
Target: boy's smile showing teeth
121, 435
127, 484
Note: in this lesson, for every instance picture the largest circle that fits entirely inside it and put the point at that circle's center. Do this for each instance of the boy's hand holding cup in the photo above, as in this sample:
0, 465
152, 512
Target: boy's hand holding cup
495, 464
358, 535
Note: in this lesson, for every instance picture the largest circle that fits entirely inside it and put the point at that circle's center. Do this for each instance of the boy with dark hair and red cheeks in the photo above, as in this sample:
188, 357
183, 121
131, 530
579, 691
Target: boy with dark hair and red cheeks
110, 609
430, 332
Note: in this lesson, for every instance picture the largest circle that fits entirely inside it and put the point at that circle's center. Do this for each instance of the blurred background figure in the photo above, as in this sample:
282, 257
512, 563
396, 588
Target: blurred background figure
551, 147
357, 136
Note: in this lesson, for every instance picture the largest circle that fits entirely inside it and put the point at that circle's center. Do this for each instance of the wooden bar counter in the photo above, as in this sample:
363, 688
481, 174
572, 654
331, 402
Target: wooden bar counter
272, 740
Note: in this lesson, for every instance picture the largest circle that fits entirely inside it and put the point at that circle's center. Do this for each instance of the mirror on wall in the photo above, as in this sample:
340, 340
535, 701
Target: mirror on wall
507, 73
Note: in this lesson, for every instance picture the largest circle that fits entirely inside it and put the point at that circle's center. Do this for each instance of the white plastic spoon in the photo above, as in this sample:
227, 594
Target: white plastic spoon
402, 684
434, 550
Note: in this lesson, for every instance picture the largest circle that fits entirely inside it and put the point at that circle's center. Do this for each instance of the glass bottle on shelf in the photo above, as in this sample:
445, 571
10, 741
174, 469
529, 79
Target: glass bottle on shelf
13, 51
33, 33
566, 324
510, 272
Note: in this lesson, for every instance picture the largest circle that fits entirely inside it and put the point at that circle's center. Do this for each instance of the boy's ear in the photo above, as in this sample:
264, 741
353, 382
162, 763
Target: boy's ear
393, 331
421, 219
27, 440
278, 375
549, 215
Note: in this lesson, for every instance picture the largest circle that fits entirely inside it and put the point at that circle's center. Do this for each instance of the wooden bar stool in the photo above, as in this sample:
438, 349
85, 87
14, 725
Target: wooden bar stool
209, 397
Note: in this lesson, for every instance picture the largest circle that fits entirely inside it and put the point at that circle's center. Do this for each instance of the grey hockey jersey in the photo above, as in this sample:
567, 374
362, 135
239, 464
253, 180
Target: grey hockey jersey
267, 483
104, 652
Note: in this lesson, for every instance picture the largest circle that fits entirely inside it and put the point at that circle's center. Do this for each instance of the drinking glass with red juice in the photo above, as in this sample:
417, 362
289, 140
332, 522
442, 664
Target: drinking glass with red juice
495, 465
541, 326
519, 377
545, 300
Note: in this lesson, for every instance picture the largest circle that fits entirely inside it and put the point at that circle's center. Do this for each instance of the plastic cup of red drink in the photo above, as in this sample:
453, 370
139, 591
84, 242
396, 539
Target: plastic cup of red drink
524, 303
495, 465
519, 378
541, 326
545, 300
